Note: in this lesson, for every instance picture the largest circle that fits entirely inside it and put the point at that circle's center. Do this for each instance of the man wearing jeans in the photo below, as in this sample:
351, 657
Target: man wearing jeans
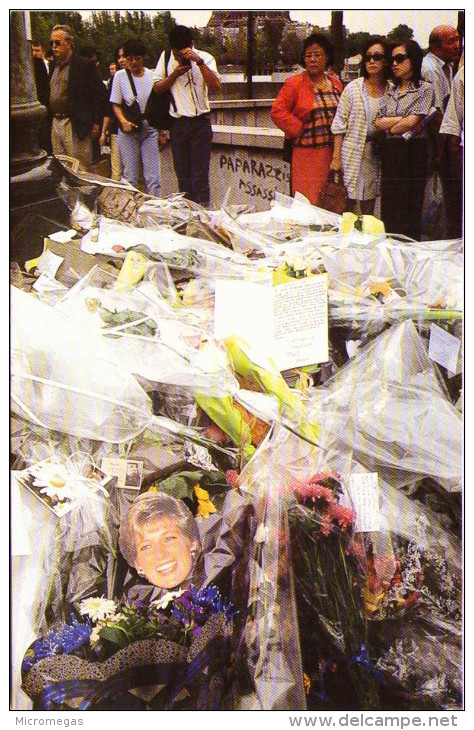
190, 76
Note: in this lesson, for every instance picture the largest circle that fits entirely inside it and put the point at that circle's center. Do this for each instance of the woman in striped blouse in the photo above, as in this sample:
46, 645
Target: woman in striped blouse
304, 109
354, 130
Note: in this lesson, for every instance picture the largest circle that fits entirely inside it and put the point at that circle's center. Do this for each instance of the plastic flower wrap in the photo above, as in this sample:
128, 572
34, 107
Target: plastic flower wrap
368, 605
153, 339
129, 654
66, 378
303, 574
403, 423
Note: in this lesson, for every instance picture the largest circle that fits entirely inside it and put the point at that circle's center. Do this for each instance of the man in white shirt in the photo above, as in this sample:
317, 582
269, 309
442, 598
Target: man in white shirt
190, 75
437, 67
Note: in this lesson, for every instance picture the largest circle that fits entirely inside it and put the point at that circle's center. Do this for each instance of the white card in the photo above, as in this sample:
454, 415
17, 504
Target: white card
288, 322
49, 263
444, 348
365, 494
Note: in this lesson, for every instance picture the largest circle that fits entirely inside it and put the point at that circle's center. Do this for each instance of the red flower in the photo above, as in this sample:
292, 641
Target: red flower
232, 477
412, 598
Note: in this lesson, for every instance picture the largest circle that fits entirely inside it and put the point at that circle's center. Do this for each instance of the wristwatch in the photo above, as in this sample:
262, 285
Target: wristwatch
200, 62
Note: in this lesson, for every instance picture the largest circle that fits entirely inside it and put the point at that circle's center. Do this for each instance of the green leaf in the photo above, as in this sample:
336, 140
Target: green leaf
115, 635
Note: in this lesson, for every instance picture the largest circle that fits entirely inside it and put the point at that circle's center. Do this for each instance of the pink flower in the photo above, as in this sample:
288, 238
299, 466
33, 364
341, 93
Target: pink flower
344, 516
323, 476
314, 492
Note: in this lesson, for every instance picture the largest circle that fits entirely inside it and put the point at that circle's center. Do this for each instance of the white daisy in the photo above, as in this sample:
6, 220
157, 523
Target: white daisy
97, 608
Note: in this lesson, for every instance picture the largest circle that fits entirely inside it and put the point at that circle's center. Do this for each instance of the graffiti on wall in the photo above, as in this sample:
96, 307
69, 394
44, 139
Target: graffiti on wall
256, 178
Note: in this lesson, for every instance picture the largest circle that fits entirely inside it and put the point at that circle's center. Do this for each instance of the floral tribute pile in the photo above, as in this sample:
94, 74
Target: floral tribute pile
172, 653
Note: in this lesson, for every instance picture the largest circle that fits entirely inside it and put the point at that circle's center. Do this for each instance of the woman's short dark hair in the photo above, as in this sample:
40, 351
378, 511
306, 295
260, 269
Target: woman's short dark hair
376, 40
321, 40
134, 47
415, 54
180, 37
151, 506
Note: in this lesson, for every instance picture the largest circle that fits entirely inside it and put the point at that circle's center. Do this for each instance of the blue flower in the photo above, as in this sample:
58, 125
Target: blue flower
63, 640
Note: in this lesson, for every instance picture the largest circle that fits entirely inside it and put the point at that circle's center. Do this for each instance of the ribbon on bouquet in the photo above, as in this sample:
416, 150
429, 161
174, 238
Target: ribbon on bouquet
361, 658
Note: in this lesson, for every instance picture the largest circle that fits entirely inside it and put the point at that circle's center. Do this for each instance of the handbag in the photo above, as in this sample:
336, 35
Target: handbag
334, 194
157, 110
132, 112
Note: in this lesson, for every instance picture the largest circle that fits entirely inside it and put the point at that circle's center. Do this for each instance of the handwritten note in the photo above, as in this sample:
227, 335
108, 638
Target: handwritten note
365, 494
288, 322
300, 322
444, 348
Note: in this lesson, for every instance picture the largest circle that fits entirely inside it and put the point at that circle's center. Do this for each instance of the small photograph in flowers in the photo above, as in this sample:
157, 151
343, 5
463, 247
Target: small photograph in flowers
48, 481
127, 473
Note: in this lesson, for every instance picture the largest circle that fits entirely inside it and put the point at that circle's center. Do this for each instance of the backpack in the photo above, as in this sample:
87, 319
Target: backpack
157, 110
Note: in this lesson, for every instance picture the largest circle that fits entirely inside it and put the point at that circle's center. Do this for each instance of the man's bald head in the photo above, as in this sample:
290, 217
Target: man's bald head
444, 43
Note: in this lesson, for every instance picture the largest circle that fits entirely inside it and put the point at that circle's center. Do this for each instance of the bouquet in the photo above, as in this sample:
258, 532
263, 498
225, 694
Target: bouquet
168, 654
329, 576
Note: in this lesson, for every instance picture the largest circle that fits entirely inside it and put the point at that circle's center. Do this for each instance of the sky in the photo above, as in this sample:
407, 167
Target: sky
374, 20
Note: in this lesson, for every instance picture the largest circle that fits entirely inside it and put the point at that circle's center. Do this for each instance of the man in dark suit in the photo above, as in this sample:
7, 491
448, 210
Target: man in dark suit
77, 101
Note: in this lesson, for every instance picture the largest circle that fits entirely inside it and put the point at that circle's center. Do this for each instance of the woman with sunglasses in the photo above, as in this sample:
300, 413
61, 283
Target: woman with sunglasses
304, 109
354, 130
406, 103
136, 145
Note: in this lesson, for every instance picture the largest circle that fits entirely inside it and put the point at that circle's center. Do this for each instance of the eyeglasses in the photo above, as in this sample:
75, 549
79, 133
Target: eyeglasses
134, 58
314, 55
373, 57
56, 43
399, 58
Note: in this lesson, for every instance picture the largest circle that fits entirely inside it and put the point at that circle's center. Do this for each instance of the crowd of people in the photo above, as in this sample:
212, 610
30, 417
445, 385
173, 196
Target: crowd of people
386, 131
400, 122
85, 113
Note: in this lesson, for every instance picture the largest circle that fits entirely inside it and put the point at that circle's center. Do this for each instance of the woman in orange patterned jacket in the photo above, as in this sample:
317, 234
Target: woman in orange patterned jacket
304, 110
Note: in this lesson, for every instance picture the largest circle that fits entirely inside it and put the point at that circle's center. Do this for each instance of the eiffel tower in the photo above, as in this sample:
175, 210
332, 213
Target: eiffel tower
238, 18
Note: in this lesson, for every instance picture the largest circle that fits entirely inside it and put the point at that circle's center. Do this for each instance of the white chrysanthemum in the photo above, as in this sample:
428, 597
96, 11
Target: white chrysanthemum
97, 608
162, 602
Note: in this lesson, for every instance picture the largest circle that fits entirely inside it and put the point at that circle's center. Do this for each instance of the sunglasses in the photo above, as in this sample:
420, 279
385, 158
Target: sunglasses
399, 58
373, 57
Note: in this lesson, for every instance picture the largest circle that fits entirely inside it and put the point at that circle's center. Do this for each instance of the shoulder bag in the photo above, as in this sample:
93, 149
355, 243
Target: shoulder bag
132, 112
157, 110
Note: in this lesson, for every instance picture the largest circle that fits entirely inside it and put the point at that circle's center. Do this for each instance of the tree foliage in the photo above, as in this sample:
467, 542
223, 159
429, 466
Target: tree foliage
107, 29
400, 34
355, 42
